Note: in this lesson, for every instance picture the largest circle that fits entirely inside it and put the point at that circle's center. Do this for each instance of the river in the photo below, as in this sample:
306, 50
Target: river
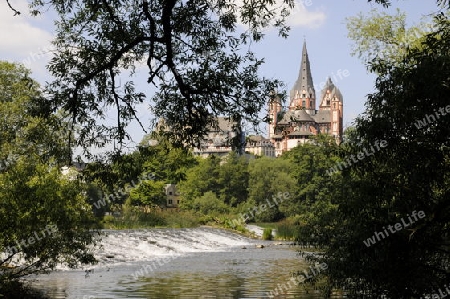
181, 263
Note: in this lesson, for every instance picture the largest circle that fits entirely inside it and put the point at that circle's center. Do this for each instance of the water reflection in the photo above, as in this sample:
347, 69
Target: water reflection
239, 273
226, 285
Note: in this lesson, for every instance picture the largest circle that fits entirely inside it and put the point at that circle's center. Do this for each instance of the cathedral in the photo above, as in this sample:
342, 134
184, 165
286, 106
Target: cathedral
293, 125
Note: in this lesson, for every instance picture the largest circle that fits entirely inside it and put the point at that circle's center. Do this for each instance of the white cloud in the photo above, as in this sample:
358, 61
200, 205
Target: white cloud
301, 16
24, 38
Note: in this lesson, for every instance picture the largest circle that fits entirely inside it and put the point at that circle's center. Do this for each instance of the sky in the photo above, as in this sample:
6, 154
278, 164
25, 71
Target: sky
321, 23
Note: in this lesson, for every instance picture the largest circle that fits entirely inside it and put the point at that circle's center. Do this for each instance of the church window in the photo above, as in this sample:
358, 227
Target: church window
303, 103
304, 95
328, 102
310, 104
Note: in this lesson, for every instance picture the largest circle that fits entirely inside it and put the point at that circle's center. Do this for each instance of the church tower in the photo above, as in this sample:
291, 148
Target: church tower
331, 100
337, 118
295, 124
303, 95
275, 108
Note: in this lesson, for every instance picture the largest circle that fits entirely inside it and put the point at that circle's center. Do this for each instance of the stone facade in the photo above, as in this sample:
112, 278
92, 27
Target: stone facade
218, 140
172, 196
293, 125
259, 146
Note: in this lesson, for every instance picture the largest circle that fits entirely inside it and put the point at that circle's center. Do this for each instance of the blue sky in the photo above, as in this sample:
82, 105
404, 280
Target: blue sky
27, 39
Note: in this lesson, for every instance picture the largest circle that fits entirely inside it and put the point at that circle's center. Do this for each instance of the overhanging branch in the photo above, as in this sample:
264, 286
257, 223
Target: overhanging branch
16, 12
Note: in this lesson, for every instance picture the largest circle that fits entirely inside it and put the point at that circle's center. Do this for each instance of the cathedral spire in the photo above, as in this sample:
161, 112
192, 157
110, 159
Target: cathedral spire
304, 86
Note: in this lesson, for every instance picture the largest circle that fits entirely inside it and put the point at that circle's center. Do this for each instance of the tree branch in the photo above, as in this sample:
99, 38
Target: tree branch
153, 37
16, 12
7, 259
116, 100
73, 104
112, 15
185, 90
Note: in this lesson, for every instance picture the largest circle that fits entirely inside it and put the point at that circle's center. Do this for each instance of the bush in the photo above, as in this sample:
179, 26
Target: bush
267, 234
205, 219
209, 204
180, 219
287, 230
107, 219
135, 217
233, 222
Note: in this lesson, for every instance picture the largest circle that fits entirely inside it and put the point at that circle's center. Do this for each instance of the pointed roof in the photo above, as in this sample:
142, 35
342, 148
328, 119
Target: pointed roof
304, 80
333, 90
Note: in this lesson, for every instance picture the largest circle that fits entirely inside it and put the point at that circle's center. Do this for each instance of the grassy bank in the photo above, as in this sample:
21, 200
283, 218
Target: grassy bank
132, 218
139, 219
285, 230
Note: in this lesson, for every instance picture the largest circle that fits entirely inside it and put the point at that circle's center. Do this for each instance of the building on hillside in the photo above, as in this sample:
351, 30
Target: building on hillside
293, 125
259, 146
219, 139
172, 196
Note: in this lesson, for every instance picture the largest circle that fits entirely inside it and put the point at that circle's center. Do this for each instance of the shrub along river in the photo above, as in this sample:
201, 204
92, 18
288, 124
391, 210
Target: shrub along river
182, 263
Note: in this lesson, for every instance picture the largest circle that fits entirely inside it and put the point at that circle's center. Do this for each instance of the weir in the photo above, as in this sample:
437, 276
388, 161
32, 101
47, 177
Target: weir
149, 245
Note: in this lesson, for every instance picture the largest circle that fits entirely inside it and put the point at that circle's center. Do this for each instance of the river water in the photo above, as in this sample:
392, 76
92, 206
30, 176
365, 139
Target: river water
181, 263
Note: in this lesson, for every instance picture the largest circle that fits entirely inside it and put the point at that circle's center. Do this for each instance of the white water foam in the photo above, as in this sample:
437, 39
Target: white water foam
145, 245
130, 246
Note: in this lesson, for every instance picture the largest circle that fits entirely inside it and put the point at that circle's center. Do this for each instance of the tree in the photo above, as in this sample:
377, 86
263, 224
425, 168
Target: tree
45, 218
57, 231
209, 204
380, 35
311, 202
387, 3
27, 123
311, 163
233, 179
226, 177
109, 182
200, 179
268, 179
380, 246
195, 52
166, 162
149, 192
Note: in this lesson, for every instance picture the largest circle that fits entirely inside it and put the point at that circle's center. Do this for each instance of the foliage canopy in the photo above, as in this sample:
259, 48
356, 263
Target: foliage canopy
45, 218
408, 111
195, 56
